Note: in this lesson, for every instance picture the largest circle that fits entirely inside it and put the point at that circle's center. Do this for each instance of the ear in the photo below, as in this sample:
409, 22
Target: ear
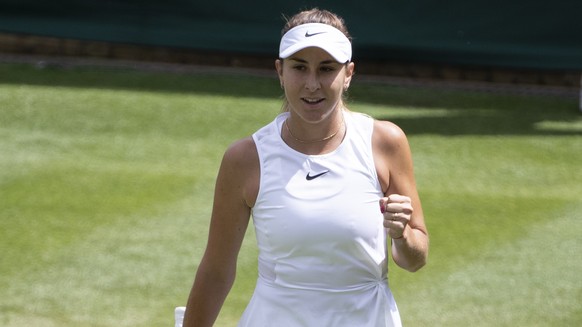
279, 68
349, 74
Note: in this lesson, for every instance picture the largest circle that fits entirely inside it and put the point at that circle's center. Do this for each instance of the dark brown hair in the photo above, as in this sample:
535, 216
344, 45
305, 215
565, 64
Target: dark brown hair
316, 15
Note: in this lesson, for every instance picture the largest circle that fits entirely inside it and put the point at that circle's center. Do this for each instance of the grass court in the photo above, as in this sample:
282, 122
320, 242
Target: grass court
107, 177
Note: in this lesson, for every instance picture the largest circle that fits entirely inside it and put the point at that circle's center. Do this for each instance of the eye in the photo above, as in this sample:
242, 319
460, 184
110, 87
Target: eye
327, 69
299, 67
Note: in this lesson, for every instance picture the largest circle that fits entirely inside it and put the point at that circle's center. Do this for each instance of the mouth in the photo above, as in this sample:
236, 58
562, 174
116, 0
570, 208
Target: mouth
312, 101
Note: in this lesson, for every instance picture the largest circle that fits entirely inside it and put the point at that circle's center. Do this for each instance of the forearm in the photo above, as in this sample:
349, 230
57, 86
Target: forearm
206, 298
410, 252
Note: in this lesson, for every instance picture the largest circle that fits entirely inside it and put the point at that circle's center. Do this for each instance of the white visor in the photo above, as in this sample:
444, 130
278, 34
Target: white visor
323, 36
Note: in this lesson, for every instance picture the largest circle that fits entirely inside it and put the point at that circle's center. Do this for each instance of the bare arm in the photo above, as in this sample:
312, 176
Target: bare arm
234, 195
403, 216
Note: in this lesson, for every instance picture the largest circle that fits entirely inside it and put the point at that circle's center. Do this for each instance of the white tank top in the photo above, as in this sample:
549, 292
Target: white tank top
319, 232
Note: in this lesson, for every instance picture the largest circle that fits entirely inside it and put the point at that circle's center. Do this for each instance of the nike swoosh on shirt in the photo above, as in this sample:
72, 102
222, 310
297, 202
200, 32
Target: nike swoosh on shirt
310, 177
310, 35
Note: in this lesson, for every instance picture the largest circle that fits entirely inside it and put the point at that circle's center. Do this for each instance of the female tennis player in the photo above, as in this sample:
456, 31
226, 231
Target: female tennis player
331, 193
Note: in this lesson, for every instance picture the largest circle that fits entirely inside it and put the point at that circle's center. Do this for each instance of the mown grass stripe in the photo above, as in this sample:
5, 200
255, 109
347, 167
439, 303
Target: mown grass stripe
106, 182
531, 279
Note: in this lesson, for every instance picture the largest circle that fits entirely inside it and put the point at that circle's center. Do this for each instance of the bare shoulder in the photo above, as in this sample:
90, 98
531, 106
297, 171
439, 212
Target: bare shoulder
242, 153
388, 137
240, 171
392, 155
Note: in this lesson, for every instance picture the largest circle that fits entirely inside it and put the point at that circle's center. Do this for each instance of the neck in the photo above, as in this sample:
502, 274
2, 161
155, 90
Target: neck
323, 139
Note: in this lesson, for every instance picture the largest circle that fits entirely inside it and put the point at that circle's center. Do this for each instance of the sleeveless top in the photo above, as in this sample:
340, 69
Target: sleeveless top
322, 246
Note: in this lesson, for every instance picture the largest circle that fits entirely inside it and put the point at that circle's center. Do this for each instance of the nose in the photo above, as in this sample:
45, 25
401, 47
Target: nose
312, 83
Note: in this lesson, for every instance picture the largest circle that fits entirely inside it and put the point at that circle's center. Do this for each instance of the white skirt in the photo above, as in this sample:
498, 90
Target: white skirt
369, 305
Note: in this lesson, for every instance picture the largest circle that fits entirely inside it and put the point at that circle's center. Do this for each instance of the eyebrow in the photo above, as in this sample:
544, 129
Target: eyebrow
303, 61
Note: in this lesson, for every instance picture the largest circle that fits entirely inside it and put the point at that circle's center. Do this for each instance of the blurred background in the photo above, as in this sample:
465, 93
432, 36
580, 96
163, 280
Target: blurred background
505, 42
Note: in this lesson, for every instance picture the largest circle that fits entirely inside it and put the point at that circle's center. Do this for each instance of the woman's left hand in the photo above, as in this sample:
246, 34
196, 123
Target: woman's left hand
397, 210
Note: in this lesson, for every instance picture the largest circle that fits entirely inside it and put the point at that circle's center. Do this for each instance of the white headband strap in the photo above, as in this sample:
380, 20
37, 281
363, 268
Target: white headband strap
323, 36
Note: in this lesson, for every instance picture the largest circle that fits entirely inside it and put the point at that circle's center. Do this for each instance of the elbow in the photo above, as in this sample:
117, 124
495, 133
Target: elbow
413, 263
416, 266
420, 260
411, 257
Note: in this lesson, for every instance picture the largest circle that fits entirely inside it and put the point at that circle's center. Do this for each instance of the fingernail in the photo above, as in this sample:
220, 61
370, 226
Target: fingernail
382, 208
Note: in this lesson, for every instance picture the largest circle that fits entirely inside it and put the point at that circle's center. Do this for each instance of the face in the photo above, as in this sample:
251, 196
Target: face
313, 83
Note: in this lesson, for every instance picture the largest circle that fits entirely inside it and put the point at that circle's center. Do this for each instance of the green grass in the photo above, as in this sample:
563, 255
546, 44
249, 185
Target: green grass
106, 183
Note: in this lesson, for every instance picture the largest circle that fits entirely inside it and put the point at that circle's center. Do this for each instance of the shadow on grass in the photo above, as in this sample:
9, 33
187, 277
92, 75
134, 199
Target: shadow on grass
487, 114
455, 112
473, 123
238, 85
